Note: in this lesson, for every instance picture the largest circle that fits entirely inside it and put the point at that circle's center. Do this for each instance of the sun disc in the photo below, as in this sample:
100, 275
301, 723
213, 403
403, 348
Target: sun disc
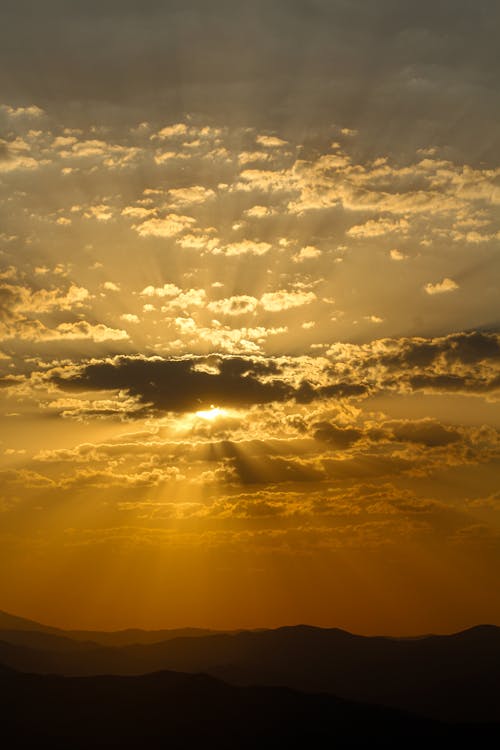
211, 414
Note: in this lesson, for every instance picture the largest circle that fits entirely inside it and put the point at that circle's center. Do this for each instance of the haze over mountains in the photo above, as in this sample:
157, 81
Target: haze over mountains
450, 678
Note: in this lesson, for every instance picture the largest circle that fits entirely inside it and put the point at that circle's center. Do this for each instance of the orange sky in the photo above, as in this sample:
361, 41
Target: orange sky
249, 340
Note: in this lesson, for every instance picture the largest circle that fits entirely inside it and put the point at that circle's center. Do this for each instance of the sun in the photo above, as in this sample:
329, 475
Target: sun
211, 414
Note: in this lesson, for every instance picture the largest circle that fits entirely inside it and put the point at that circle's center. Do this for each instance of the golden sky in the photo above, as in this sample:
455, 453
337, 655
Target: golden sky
249, 314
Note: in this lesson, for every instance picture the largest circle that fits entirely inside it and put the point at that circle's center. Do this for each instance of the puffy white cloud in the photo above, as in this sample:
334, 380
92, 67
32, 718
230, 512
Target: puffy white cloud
378, 227
309, 252
130, 318
172, 131
245, 247
441, 287
137, 212
187, 298
285, 300
100, 212
199, 242
32, 111
396, 254
110, 286
270, 141
167, 290
17, 155
174, 297
22, 299
169, 226
259, 212
193, 195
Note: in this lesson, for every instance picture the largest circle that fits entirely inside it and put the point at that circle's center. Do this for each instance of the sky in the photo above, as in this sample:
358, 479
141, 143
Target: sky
249, 313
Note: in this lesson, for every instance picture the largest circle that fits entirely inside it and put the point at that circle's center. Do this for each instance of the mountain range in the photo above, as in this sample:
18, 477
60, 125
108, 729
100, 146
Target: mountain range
453, 678
168, 709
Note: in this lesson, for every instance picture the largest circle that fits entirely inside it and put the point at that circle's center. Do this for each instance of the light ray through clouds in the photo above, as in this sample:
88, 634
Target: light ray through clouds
249, 343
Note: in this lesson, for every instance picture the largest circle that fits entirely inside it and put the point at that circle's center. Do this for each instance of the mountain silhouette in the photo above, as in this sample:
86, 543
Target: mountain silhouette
174, 710
129, 636
448, 677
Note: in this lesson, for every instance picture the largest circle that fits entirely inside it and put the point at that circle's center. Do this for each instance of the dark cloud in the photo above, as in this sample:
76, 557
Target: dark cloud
338, 437
443, 383
177, 385
306, 392
425, 432
189, 384
461, 363
343, 390
473, 347
466, 348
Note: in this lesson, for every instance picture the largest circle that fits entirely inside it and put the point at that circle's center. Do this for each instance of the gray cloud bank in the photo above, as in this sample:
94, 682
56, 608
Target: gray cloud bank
408, 73
458, 363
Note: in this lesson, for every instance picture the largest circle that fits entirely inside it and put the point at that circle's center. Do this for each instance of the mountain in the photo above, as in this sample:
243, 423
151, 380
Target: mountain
450, 677
183, 711
11, 623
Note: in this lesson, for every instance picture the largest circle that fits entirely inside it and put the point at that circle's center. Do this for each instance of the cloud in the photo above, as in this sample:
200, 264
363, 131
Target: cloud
177, 385
79, 331
396, 254
338, 437
245, 247
223, 338
425, 432
241, 304
284, 300
309, 252
441, 287
378, 227
170, 226
259, 212
130, 318
173, 131
461, 362
189, 196
138, 212
175, 298
21, 306
186, 299
270, 141
16, 156
167, 290
30, 112
110, 286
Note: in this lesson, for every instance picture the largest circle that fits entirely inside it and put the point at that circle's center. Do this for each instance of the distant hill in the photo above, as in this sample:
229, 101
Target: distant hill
12, 622
187, 711
129, 636
449, 677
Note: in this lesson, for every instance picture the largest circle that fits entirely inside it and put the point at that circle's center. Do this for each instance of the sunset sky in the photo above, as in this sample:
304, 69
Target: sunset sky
249, 313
